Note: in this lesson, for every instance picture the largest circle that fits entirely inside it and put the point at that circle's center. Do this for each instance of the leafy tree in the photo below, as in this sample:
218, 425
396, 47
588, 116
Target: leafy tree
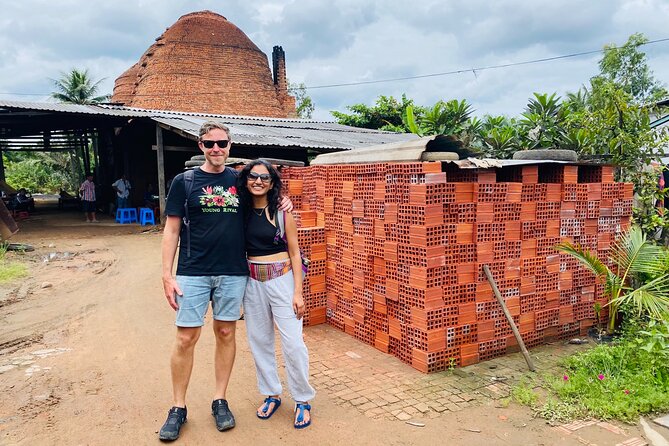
39, 171
387, 114
303, 103
627, 67
77, 87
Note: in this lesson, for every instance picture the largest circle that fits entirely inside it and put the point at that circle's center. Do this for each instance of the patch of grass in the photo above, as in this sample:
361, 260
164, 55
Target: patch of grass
619, 381
523, 393
11, 270
555, 410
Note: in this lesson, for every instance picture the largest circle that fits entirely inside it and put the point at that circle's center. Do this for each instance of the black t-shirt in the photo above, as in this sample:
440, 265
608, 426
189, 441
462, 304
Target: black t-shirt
216, 225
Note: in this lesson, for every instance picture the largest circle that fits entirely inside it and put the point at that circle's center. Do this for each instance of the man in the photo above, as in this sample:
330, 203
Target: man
211, 267
122, 188
87, 191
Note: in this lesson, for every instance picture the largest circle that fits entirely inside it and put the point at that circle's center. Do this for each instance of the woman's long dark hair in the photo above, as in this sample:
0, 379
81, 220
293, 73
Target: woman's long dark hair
272, 195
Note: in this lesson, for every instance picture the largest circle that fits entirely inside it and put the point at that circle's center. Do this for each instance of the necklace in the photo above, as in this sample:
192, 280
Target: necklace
262, 211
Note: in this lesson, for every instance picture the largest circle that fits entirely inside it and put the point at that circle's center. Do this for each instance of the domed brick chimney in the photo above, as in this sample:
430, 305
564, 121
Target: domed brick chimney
204, 63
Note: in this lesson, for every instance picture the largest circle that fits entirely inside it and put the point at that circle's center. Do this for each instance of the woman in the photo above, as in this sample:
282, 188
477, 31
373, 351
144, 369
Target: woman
274, 293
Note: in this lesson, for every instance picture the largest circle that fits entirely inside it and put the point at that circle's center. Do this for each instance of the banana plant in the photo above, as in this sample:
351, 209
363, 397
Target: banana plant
638, 279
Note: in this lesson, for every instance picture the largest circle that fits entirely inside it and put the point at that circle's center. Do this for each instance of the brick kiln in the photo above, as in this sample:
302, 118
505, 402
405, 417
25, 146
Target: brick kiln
397, 251
205, 64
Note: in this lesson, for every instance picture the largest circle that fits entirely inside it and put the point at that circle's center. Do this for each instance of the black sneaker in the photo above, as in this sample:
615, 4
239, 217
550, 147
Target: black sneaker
176, 417
221, 412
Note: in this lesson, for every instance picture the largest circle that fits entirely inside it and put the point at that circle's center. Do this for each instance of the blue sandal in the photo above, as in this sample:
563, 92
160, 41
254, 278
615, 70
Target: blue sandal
299, 410
265, 408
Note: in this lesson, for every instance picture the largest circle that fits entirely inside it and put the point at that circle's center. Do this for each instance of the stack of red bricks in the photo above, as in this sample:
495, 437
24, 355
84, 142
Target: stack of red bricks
399, 250
311, 238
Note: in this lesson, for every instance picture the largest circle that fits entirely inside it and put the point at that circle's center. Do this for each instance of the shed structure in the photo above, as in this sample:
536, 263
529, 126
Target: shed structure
151, 146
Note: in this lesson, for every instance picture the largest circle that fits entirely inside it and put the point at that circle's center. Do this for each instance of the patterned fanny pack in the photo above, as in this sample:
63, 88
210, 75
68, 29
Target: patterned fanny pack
262, 272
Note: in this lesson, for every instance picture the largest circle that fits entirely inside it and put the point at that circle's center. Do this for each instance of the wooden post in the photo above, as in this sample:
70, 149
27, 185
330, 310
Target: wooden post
161, 171
509, 318
84, 154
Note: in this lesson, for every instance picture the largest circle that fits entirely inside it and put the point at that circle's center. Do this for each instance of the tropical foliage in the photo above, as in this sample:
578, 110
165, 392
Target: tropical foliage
40, 171
443, 118
636, 282
386, 114
77, 87
49, 172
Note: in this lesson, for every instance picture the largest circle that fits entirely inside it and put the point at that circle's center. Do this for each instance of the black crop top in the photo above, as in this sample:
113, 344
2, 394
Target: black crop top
262, 237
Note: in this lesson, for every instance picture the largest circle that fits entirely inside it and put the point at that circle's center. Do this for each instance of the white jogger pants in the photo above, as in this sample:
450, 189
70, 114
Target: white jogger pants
266, 304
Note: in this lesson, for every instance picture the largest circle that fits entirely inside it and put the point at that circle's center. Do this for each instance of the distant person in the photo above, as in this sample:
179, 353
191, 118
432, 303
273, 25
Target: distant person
150, 196
65, 198
664, 183
150, 199
122, 188
87, 191
273, 294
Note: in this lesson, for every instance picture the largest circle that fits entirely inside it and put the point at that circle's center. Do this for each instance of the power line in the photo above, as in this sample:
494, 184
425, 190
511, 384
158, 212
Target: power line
396, 79
474, 70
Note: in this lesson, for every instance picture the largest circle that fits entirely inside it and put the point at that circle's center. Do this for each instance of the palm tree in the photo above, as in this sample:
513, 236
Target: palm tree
76, 87
639, 279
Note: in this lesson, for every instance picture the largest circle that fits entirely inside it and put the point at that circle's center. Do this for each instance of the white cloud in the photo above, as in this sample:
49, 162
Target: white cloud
343, 41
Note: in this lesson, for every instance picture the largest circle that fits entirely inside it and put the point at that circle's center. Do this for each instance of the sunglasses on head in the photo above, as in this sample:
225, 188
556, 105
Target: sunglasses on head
264, 177
209, 144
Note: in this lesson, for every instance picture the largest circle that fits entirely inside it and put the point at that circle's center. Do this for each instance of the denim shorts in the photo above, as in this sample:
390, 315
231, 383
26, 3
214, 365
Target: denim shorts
224, 292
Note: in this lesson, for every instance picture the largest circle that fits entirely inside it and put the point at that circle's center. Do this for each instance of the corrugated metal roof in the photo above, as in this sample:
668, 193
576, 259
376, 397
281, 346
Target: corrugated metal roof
275, 133
71, 108
246, 130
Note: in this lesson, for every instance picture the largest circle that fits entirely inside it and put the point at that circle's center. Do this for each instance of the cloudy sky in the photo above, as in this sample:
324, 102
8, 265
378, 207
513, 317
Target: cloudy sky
346, 41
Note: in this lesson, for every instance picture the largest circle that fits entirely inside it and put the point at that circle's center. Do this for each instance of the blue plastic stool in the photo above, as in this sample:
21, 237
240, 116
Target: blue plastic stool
126, 215
146, 217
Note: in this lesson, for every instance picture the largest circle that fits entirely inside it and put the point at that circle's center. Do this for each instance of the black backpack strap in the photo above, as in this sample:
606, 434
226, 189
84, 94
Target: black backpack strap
189, 175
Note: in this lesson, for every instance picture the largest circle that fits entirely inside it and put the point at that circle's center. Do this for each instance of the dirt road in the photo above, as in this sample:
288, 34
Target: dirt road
84, 349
